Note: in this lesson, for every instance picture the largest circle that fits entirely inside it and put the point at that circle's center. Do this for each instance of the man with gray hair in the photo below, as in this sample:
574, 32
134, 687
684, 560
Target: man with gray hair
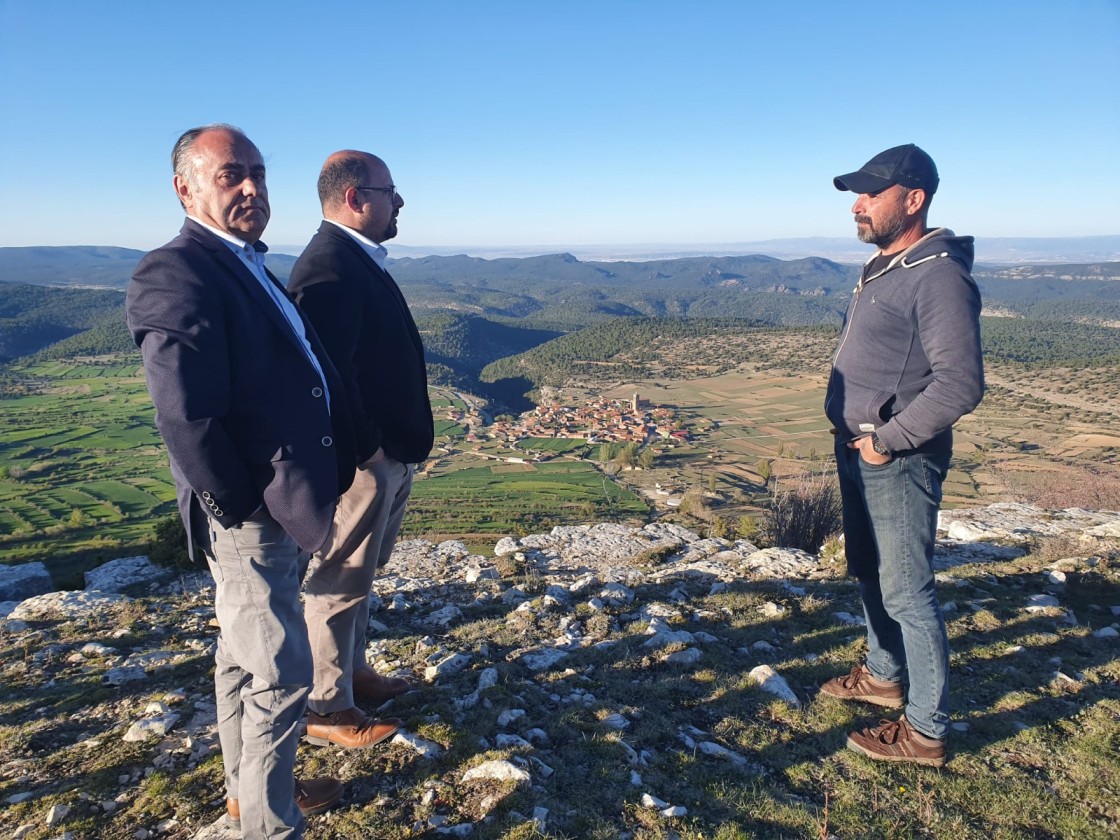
907, 368
256, 425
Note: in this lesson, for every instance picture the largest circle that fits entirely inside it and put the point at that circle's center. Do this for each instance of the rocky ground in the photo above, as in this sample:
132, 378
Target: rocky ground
599, 682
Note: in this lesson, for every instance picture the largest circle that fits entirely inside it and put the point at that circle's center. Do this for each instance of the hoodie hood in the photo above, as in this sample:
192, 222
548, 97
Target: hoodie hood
939, 243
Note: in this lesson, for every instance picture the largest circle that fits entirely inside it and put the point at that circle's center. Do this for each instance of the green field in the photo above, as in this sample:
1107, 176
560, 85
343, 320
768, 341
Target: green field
84, 475
509, 498
552, 445
81, 465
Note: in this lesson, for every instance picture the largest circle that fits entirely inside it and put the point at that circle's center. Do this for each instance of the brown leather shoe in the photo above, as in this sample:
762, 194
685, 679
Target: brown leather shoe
313, 796
898, 741
860, 685
371, 687
351, 728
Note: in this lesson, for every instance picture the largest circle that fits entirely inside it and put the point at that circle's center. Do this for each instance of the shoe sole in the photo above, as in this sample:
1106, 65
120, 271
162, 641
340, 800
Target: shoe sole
902, 759
320, 808
885, 702
327, 742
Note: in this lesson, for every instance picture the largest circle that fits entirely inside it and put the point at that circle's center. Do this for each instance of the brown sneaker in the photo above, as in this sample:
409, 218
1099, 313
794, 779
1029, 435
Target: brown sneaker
371, 687
351, 728
313, 796
860, 685
898, 741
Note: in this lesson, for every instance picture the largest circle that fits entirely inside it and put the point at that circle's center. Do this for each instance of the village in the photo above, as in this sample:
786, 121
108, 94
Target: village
596, 421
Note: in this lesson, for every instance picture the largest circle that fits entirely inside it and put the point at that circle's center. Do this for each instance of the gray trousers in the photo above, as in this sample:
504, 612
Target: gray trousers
336, 590
262, 671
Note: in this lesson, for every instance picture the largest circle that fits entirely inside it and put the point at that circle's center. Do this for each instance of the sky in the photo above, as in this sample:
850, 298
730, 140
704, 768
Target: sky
565, 123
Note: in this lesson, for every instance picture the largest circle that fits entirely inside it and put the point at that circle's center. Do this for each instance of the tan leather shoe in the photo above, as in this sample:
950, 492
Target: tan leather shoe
351, 728
313, 796
371, 687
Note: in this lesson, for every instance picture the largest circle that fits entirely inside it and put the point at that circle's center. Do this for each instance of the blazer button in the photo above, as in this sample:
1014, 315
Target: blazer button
219, 512
316, 392
206, 495
327, 441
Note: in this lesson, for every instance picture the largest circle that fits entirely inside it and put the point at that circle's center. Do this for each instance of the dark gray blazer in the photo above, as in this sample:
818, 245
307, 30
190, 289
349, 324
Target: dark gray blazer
371, 338
238, 403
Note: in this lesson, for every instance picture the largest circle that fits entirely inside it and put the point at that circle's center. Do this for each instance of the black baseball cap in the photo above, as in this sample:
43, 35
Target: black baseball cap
906, 165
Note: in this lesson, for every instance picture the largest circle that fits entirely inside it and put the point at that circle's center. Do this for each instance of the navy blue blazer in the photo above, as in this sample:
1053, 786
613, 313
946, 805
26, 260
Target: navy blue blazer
239, 405
368, 330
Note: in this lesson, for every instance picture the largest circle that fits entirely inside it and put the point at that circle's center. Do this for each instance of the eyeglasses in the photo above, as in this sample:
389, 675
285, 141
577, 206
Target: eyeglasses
391, 190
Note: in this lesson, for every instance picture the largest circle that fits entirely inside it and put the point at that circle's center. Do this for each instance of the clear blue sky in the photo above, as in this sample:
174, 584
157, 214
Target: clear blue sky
532, 123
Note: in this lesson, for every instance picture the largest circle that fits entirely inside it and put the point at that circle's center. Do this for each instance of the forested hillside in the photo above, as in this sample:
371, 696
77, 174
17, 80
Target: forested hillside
35, 317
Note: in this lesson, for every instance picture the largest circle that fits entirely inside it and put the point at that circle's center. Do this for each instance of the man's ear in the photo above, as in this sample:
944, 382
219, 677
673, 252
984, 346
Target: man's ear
915, 201
183, 190
352, 200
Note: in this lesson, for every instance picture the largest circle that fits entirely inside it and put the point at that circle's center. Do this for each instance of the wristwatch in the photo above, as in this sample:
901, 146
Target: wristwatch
879, 446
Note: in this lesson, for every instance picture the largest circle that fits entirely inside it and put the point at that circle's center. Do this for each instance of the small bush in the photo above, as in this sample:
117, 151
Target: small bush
169, 544
803, 513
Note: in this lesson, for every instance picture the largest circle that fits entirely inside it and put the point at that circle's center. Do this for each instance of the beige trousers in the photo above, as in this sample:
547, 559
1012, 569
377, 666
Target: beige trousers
337, 586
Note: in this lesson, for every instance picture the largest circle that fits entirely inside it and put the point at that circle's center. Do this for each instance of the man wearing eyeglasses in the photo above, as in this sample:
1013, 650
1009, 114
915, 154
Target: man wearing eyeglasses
341, 284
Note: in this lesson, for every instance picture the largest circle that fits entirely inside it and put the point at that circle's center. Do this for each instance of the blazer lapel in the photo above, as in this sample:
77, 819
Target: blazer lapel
245, 277
379, 275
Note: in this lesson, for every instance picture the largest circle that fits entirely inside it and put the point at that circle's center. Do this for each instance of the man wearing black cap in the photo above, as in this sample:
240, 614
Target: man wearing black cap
907, 368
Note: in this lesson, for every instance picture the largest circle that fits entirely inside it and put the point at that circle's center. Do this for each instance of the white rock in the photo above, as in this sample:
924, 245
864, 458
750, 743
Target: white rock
461, 830
772, 682
688, 656
147, 728
1041, 602
675, 811
57, 814
23, 581
507, 741
772, 610
445, 616
498, 770
122, 675
542, 659
424, 748
1106, 633
616, 593
651, 801
635, 778
959, 726
124, 573
22, 831
97, 649
75, 604
453, 664
17, 798
509, 716
719, 751
1055, 577
542, 768
670, 637
848, 618
615, 721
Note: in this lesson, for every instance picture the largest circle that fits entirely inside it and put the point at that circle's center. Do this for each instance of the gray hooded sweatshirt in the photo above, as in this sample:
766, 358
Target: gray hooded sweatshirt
909, 361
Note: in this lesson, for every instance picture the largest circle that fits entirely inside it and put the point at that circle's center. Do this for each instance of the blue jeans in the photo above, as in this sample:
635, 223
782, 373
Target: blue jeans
262, 673
890, 523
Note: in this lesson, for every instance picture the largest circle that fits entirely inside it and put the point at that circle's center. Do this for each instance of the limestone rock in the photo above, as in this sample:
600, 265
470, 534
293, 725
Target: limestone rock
497, 770
18, 583
67, 605
126, 573
774, 683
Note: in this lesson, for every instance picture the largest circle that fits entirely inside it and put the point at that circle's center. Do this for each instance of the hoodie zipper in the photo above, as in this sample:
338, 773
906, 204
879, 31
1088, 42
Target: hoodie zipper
899, 260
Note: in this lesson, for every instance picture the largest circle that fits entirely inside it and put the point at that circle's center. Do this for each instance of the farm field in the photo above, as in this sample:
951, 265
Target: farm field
83, 473
516, 498
81, 465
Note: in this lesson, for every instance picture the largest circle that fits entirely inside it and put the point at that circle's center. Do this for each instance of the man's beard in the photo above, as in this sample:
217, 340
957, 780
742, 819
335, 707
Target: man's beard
891, 227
